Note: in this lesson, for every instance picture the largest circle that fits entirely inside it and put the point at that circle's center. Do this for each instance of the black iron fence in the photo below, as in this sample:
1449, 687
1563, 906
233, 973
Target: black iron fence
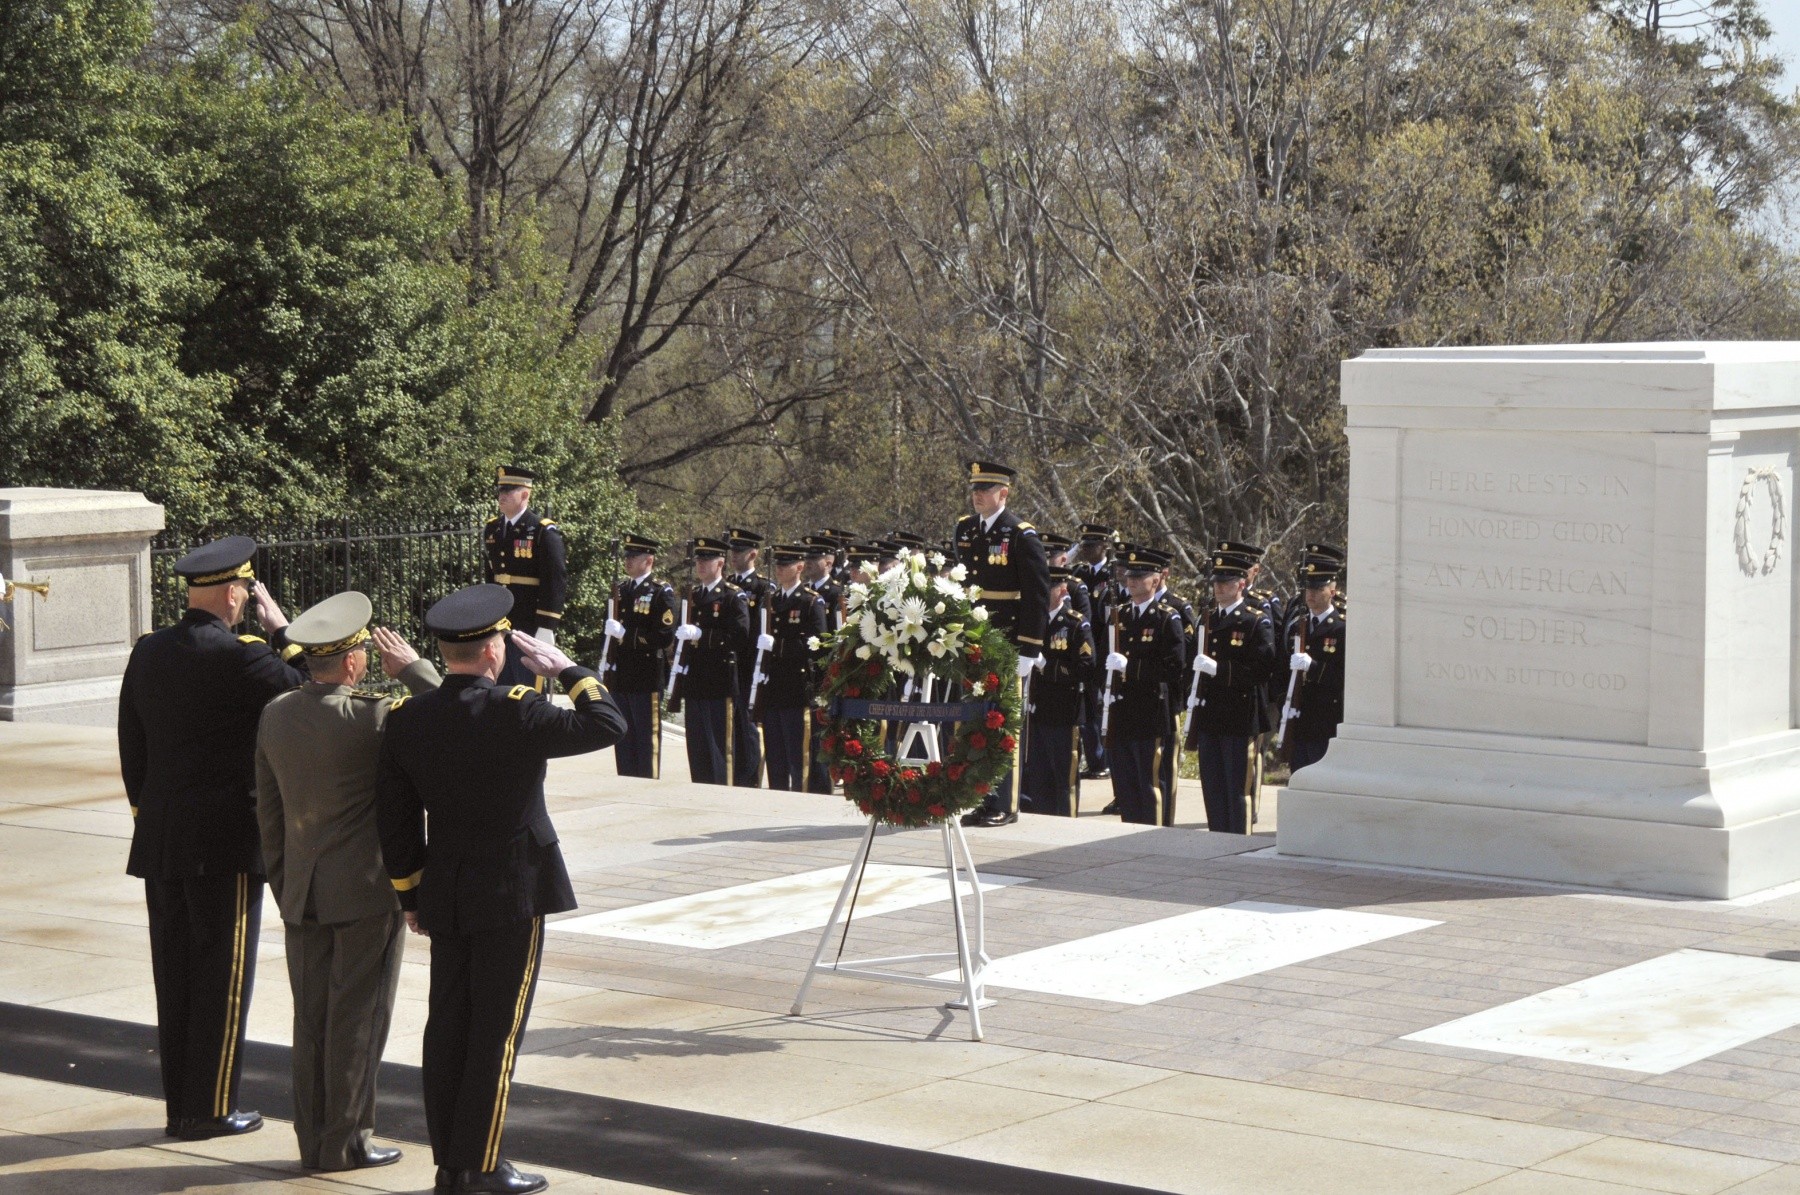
403, 565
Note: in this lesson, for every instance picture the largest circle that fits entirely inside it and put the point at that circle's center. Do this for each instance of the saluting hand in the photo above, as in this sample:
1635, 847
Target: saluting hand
540, 658
396, 653
268, 610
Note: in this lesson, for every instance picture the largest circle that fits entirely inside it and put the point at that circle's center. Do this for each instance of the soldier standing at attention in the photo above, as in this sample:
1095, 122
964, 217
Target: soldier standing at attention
843, 541
1232, 712
796, 615
315, 799
524, 552
1056, 555
188, 709
718, 639
747, 745
818, 573
1053, 757
484, 870
1319, 628
1006, 559
1146, 668
1094, 571
641, 633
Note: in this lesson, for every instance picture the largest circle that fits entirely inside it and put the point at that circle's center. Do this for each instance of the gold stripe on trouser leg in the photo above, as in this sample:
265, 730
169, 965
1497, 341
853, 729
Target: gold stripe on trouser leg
762, 751
1156, 792
234, 1000
1018, 753
806, 749
491, 1157
1075, 771
730, 742
1253, 767
656, 736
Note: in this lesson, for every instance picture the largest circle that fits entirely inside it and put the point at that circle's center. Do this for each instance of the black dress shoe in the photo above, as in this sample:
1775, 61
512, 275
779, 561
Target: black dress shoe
502, 1180
445, 1181
999, 817
368, 1157
1111, 807
202, 1128
973, 817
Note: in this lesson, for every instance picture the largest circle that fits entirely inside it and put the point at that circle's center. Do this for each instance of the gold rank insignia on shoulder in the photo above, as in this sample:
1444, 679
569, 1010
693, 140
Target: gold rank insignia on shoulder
519, 692
251, 639
398, 702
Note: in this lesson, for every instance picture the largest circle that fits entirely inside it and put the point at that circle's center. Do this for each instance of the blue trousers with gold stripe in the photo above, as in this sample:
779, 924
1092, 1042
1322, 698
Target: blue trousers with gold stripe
1136, 779
639, 753
481, 990
784, 747
1225, 769
203, 956
1052, 767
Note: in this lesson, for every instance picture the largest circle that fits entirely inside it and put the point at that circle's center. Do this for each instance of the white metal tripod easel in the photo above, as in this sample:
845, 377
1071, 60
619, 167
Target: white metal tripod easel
970, 954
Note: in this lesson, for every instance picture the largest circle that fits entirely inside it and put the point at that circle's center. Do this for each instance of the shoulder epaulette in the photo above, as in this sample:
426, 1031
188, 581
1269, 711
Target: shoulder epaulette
1024, 526
366, 694
519, 692
251, 639
491, 521
399, 701
547, 523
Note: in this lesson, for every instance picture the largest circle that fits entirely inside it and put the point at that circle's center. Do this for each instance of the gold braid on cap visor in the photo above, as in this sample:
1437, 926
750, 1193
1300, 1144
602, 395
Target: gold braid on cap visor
332, 649
499, 628
242, 571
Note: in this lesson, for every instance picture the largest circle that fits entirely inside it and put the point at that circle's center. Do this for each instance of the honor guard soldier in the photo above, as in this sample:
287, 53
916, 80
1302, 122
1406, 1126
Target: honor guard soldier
718, 640
819, 575
797, 615
747, 748
641, 630
1146, 660
1053, 756
887, 554
470, 848
844, 541
1232, 712
1056, 555
188, 709
524, 552
1006, 559
1315, 638
1094, 570
316, 755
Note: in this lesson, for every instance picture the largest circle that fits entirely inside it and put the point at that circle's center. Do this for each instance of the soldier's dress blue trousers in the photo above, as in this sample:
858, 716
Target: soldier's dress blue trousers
1052, 759
639, 753
784, 748
1136, 766
747, 749
1305, 752
709, 739
1224, 769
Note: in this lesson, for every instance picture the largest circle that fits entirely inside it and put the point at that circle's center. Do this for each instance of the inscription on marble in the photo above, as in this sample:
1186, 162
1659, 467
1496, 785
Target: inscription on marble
1524, 584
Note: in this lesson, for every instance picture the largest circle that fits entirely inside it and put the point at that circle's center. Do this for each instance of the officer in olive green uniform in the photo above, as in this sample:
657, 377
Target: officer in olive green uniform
469, 846
315, 791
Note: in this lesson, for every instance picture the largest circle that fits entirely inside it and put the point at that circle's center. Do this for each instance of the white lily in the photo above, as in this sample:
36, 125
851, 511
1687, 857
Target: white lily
912, 619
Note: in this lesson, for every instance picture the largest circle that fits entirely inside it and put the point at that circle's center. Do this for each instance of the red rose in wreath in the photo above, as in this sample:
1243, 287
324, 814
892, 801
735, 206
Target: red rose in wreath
995, 719
853, 747
983, 787
978, 741
993, 682
1007, 743
881, 767
936, 811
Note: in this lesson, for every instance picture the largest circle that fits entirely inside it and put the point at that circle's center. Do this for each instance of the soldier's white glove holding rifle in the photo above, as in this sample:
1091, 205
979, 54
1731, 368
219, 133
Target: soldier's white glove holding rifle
615, 629
1207, 665
687, 632
1028, 665
1299, 662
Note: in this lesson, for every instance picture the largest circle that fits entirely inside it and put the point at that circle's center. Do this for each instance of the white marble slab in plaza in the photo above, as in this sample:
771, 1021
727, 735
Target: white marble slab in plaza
1655, 1017
1142, 964
771, 908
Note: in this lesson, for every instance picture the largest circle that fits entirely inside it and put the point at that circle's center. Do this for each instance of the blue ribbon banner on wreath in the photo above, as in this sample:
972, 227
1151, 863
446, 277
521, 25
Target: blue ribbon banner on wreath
860, 709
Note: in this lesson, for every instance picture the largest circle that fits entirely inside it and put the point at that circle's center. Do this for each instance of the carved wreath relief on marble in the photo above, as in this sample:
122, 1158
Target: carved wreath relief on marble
1769, 482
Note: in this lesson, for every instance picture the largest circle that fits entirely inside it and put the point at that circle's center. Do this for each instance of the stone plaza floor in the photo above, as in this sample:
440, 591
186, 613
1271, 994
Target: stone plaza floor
1175, 1011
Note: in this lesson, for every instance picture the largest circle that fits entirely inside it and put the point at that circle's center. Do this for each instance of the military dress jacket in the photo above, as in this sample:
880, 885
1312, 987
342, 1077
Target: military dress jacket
714, 660
1057, 687
1007, 561
465, 835
1319, 697
638, 663
528, 558
1234, 702
1154, 644
791, 665
188, 709
316, 754
833, 595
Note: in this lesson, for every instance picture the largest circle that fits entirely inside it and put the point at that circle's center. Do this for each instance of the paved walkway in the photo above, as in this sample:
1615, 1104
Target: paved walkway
1266, 1077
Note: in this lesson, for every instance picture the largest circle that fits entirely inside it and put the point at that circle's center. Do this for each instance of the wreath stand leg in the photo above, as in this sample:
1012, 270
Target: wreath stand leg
970, 955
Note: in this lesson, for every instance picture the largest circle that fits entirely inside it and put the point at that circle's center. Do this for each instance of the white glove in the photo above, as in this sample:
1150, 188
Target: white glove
1116, 661
765, 643
1299, 662
687, 632
546, 636
615, 629
1029, 665
1207, 666
1193, 704
1287, 712
757, 678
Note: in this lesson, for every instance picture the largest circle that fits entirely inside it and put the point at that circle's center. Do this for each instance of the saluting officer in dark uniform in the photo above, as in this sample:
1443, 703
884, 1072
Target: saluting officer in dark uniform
1094, 570
485, 869
747, 745
817, 572
641, 632
797, 617
1053, 757
1317, 626
1147, 667
1005, 558
1235, 671
718, 639
188, 711
524, 552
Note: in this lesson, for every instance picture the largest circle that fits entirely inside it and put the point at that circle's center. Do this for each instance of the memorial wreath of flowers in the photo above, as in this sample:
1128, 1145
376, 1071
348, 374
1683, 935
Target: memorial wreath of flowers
904, 625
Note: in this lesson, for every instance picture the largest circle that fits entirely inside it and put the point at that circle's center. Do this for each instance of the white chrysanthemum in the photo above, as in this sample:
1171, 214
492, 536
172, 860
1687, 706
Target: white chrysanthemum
812, 643
904, 665
912, 619
869, 627
959, 573
977, 689
946, 586
937, 559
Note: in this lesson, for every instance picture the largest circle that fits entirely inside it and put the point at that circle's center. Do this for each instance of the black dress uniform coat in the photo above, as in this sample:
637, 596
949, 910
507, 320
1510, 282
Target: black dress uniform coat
528, 558
188, 711
469, 844
1007, 561
747, 745
638, 663
1053, 757
1142, 722
723, 650
791, 671
1319, 697
1243, 643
